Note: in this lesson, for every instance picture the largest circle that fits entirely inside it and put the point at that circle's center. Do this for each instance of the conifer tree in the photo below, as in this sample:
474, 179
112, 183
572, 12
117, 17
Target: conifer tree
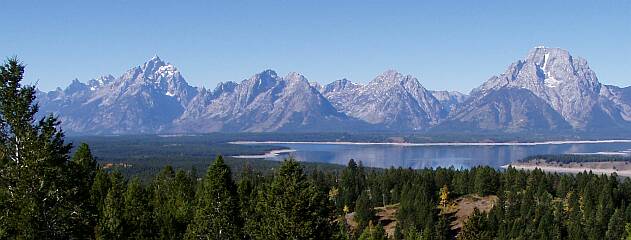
137, 212
36, 196
615, 228
217, 206
373, 232
292, 207
353, 181
364, 212
173, 196
99, 189
111, 225
474, 228
84, 169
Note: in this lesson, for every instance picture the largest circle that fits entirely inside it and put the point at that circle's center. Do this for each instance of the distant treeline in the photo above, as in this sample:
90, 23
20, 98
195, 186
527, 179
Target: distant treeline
411, 137
577, 158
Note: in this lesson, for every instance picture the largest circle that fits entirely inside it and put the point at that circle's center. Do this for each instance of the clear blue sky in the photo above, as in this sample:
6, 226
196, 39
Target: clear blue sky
446, 44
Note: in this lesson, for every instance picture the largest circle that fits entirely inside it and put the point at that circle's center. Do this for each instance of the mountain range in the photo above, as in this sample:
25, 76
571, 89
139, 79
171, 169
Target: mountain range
547, 91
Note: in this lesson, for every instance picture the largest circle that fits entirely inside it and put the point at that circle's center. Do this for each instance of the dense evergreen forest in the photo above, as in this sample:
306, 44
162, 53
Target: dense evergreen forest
48, 193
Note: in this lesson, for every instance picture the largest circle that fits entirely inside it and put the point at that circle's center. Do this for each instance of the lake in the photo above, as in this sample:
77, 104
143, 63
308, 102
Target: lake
458, 155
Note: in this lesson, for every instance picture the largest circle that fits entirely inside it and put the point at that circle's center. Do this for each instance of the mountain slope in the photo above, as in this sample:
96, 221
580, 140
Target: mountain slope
556, 80
391, 100
265, 102
547, 91
146, 99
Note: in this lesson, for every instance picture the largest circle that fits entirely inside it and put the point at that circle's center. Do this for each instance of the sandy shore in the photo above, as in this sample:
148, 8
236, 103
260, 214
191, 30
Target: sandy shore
443, 144
269, 154
620, 168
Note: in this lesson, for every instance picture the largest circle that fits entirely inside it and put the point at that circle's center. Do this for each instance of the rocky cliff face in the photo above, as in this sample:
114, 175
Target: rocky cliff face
564, 83
392, 100
146, 99
549, 90
265, 102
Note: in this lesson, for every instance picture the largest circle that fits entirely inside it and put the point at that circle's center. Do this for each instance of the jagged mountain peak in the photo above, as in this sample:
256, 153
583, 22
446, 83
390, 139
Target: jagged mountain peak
564, 82
339, 85
296, 77
101, 81
547, 89
393, 78
267, 73
389, 75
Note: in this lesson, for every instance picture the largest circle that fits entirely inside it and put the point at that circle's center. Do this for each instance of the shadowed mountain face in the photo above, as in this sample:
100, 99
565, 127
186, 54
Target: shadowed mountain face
265, 102
146, 99
392, 100
556, 80
549, 90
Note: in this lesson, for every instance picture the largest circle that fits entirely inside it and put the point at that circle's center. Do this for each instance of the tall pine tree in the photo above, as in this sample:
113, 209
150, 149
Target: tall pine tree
36, 196
217, 206
291, 207
84, 170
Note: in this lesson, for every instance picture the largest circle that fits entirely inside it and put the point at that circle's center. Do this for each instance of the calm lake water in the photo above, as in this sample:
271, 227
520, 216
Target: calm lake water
458, 156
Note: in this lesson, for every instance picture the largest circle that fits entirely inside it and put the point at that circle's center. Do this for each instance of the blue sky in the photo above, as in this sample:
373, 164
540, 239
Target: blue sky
446, 44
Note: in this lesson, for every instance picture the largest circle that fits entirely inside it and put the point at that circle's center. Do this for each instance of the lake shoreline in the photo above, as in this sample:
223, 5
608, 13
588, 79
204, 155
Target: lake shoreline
438, 144
270, 154
608, 168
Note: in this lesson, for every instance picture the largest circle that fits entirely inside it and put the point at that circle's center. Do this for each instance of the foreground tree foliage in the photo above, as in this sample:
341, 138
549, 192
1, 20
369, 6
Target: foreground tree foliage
217, 213
291, 207
46, 194
37, 199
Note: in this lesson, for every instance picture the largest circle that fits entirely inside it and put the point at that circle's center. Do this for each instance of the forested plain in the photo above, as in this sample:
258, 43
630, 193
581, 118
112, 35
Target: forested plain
48, 193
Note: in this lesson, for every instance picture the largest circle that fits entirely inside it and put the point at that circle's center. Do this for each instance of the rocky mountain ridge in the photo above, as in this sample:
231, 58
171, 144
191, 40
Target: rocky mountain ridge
548, 90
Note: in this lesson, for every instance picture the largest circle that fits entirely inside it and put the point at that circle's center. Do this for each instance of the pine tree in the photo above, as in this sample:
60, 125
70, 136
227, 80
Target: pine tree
474, 228
217, 206
36, 196
615, 229
137, 212
353, 181
364, 212
173, 196
111, 225
291, 207
373, 232
99, 189
84, 169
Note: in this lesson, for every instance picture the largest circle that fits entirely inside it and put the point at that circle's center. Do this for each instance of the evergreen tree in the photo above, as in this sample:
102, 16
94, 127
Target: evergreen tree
111, 225
137, 212
99, 189
442, 229
217, 208
353, 181
474, 228
364, 212
173, 196
615, 229
485, 181
36, 196
291, 207
373, 232
84, 170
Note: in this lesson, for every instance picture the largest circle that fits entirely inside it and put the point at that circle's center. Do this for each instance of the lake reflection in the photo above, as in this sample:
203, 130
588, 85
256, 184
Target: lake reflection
384, 156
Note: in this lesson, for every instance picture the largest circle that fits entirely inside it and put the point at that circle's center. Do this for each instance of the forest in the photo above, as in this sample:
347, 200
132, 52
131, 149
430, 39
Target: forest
48, 193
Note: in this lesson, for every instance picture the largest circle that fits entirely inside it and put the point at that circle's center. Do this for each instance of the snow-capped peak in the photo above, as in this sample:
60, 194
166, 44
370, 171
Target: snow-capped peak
167, 70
